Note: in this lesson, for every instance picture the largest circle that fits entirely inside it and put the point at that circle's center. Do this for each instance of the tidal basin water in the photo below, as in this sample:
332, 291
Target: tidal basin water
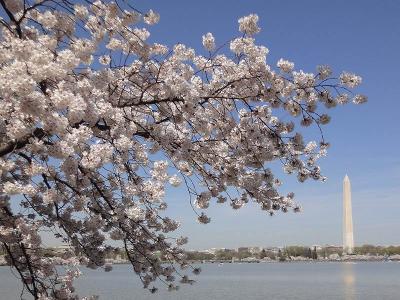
299, 281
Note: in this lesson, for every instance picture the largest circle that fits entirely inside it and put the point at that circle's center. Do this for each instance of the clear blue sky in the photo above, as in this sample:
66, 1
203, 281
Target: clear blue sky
358, 36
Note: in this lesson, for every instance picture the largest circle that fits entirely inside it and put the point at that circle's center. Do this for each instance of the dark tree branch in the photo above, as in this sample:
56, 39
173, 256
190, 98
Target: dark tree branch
12, 18
38, 133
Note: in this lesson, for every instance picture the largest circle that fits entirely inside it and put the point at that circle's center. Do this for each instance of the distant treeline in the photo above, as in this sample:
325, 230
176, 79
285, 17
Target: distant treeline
293, 251
226, 254
377, 250
326, 251
281, 254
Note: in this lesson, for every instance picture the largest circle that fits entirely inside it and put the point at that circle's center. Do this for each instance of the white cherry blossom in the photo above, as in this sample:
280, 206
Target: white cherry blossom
209, 41
248, 24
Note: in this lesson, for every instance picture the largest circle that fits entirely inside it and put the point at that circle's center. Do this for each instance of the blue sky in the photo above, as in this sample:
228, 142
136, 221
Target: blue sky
358, 36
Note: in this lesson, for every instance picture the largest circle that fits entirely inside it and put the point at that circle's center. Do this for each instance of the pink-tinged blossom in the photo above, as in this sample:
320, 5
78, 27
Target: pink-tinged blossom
304, 80
114, 44
350, 80
285, 65
81, 11
342, 99
209, 41
47, 19
135, 213
324, 72
203, 218
14, 5
151, 17
175, 180
359, 99
324, 119
105, 59
308, 149
248, 24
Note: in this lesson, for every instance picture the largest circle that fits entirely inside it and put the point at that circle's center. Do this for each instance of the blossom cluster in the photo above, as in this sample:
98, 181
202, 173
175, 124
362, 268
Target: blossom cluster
83, 129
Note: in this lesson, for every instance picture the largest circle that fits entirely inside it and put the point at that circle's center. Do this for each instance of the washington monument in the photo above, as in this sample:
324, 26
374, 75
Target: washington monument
348, 240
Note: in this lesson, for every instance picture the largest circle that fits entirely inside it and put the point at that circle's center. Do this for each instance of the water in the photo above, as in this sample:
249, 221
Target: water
294, 281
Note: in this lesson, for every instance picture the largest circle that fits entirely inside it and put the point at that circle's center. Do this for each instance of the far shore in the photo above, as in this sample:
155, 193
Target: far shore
344, 259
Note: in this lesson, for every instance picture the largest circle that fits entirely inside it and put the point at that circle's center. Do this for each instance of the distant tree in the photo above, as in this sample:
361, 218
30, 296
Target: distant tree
96, 121
244, 254
296, 251
391, 250
314, 253
377, 250
195, 255
49, 252
309, 253
271, 255
281, 255
262, 254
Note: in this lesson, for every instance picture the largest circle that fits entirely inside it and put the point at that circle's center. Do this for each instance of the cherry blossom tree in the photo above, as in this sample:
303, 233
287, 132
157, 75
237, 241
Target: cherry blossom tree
95, 122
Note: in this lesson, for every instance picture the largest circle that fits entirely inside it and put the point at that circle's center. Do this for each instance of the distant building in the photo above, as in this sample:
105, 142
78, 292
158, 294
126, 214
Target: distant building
333, 248
215, 250
211, 250
226, 250
272, 249
255, 250
348, 238
317, 247
243, 249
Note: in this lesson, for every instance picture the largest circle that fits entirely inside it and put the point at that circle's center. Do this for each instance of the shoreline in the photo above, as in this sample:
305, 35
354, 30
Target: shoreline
256, 261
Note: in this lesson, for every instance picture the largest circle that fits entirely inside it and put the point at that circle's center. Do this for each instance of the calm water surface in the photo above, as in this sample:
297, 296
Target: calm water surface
299, 281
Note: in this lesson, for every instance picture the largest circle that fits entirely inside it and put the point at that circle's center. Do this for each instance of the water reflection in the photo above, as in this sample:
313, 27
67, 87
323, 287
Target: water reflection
349, 281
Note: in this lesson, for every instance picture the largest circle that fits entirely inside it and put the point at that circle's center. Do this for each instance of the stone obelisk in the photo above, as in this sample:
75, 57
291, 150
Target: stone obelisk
348, 240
